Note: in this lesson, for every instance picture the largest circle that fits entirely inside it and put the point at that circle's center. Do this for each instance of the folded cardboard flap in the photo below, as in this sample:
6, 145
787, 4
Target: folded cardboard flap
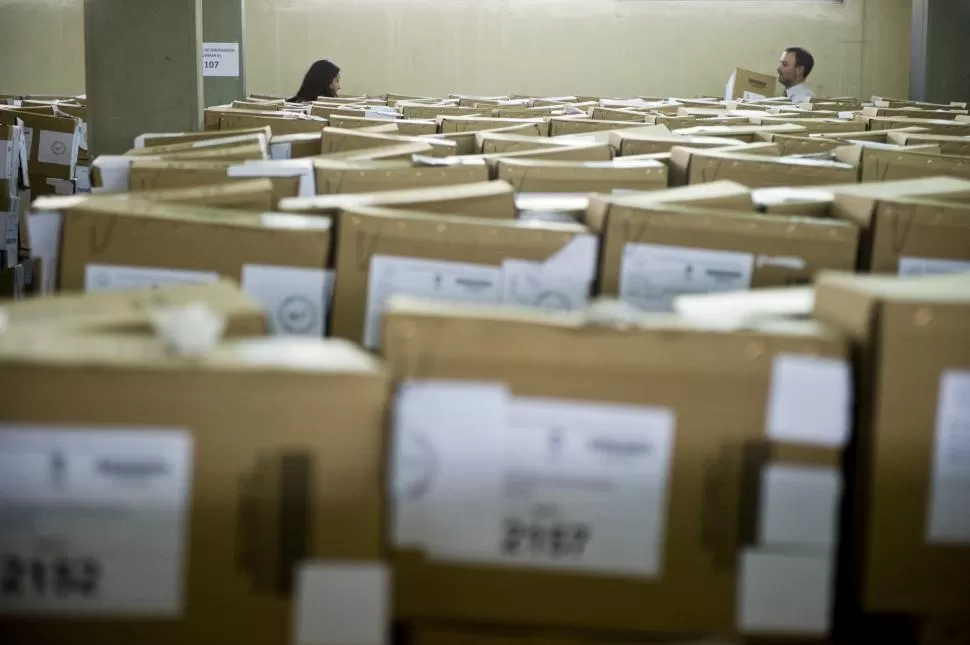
396, 152
542, 176
379, 176
166, 148
256, 195
168, 138
344, 140
483, 199
455, 124
690, 166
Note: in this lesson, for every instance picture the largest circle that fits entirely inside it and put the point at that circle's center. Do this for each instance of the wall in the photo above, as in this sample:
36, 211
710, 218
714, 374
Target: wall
597, 47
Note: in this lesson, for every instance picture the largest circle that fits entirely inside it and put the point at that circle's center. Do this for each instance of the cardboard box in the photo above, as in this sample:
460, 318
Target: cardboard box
550, 176
792, 145
956, 128
362, 177
452, 124
564, 126
52, 142
910, 543
886, 164
342, 140
131, 310
385, 252
909, 235
492, 142
727, 195
164, 138
161, 175
556, 414
745, 132
167, 149
491, 199
403, 152
295, 146
949, 145
202, 530
748, 85
407, 127
281, 260
691, 166
636, 144
255, 195
653, 252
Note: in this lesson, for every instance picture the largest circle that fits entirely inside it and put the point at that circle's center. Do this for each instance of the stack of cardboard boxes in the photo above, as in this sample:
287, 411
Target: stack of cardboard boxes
490, 370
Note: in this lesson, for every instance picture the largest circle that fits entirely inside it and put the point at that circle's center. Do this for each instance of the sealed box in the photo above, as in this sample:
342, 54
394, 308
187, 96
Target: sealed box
653, 252
170, 498
909, 530
374, 176
690, 166
560, 471
282, 260
383, 252
553, 176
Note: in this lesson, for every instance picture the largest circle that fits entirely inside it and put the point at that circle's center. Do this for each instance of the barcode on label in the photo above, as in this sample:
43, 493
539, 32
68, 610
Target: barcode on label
556, 540
55, 577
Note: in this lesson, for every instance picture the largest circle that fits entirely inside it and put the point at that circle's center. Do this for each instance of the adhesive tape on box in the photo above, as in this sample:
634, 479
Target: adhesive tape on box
192, 330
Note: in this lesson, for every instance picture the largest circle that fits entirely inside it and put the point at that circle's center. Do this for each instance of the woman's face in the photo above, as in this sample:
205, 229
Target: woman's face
335, 84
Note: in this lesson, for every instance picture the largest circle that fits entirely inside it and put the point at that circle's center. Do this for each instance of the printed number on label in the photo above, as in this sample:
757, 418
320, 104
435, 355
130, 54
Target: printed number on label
57, 577
210, 64
551, 539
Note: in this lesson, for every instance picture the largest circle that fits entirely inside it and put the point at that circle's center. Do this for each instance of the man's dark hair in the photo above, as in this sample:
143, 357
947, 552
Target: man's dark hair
803, 59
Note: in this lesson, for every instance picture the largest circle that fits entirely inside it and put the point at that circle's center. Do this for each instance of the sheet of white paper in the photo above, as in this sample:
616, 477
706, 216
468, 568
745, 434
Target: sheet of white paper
445, 453
910, 266
652, 275
799, 506
220, 59
280, 150
948, 518
297, 300
437, 279
45, 243
100, 520
542, 483
342, 603
784, 593
100, 277
810, 400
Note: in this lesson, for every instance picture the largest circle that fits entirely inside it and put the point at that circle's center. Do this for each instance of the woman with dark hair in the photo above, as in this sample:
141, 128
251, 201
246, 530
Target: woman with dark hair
322, 79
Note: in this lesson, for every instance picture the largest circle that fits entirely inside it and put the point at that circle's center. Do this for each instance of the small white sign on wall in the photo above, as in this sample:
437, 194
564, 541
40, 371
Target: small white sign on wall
220, 59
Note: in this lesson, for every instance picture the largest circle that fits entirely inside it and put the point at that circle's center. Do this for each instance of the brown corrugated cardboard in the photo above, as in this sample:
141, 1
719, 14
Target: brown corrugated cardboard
374, 176
256, 195
452, 124
886, 164
581, 404
280, 259
384, 252
727, 195
295, 146
160, 139
792, 145
949, 145
342, 140
653, 252
932, 126
910, 539
744, 132
561, 125
131, 310
278, 125
691, 166
550, 176
402, 152
948, 114
243, 152
223, 498
638, 144
158, 175
417, 111
492, 142
407, 127
445, 634
749, 85
168, 149
53, 141
491, 199
813, 125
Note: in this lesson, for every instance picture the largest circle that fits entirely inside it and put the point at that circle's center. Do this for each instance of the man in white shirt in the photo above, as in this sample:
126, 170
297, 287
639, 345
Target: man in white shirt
795, 66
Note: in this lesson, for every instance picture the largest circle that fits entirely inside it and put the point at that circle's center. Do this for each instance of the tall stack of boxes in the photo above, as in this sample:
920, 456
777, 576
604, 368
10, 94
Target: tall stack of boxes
488, 371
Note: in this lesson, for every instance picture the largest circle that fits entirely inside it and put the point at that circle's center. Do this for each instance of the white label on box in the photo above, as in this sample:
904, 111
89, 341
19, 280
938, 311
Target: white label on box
100, 277
44, 230
481, 477
296, 299
341, 604
220, 59
83, 141
56, 147
931, 266
302, 168
382, 113
799, 506
94, 520
785, 593
437, 279
281, 150
28, 140
82, 179
652, 275
6, 159
949, 508
561, 282
810, 400
752, 96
